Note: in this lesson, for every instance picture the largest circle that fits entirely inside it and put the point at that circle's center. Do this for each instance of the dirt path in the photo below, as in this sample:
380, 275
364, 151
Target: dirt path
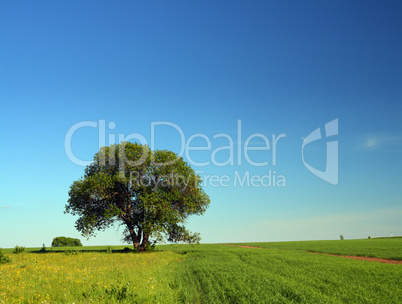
387, 261
362, 258
242, 246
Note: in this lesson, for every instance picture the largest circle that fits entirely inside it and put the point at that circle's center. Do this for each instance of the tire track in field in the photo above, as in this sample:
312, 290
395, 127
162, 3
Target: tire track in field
243, 246
361, 258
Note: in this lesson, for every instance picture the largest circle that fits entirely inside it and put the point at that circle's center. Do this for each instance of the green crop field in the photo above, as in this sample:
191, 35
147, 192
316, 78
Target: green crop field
386, 248
277, 273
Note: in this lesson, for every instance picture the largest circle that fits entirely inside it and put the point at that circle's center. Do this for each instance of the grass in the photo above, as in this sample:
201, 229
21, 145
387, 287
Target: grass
91, 277
223, 274
205, 274
386, 248
78, 248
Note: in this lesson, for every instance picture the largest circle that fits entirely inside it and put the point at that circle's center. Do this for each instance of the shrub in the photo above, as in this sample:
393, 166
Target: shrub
43, 249
150, 248
341, 237
126, 249
71, 252
19, 249
120, 293
3, 258
62, 241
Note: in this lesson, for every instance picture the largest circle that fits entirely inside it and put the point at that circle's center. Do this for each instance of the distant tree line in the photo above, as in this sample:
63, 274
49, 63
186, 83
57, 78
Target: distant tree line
62, 241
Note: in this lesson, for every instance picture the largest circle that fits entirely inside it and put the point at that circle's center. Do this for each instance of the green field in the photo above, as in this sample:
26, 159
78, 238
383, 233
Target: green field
278, 273
386, 248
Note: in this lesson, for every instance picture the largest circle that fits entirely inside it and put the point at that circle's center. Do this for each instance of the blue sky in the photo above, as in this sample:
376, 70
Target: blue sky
278, 67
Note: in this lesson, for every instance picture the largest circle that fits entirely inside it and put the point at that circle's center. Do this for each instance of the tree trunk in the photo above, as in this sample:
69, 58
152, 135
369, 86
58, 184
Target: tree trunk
136, 238
136, 242
144, 243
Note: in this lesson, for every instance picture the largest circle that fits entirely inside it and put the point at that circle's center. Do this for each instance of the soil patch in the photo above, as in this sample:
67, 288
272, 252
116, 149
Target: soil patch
362, 258
243, 246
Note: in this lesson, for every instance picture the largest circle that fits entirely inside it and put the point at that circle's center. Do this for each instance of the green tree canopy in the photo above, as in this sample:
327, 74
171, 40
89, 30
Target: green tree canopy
150, 193
62, 241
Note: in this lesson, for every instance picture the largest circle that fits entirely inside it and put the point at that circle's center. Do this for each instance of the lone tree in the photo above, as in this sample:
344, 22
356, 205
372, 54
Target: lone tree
150, 193
62, 241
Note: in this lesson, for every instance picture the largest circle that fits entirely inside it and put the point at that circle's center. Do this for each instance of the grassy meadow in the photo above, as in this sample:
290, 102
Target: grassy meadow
277, 273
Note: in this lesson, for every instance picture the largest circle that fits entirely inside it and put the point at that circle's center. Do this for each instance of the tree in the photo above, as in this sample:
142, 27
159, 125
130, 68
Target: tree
150, 193
62, 241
